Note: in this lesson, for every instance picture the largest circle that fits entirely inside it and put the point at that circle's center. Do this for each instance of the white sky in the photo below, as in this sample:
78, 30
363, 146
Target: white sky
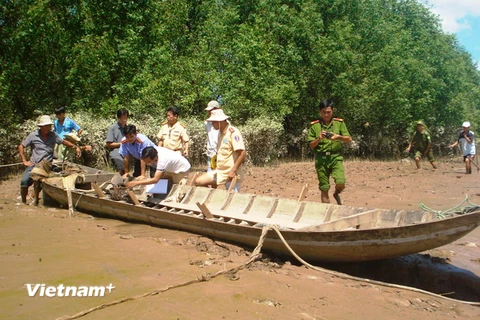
452, 11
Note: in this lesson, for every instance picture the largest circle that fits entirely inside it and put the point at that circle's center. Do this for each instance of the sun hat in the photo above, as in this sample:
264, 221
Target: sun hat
212, 105
466, 124
218, 115
44, 121
72, 137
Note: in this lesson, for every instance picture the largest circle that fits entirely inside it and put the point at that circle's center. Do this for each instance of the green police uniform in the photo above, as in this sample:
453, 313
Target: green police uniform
328, 153
420, 141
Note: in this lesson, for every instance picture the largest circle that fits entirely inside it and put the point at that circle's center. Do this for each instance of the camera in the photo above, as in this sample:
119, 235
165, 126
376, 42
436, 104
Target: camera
328, 135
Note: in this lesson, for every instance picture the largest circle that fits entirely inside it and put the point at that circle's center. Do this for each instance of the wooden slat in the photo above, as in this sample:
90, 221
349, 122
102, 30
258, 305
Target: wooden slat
206, 213
303, 192
299, 214
132, 196
249, 205
98, 190
273, 209
232, 185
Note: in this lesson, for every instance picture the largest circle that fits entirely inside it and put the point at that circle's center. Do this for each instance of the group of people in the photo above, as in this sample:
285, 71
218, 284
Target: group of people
168, 159
326, 135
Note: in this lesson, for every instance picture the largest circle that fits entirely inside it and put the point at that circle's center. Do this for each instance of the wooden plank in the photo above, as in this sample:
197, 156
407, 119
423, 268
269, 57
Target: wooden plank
273, 208
70, 203
232, 185
299, 212
98, 190
132, 196
303, 192
206, 213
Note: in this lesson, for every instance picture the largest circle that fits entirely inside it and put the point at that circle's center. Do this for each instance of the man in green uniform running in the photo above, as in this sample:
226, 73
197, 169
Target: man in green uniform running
421, 142
325, 137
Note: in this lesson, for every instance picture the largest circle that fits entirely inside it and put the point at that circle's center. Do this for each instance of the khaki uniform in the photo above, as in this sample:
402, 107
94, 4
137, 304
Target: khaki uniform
328, 153
173, 137
229, 141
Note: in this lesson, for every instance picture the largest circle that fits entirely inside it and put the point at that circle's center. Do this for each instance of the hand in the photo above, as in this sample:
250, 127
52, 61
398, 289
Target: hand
125, 176
408, 149
185, 153
451, 146
141, 177
79, 152
87, 148
131, 184
28, 163
322, 134
232, 174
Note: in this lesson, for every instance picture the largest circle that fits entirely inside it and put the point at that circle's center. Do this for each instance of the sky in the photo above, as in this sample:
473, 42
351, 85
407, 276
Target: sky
462, 18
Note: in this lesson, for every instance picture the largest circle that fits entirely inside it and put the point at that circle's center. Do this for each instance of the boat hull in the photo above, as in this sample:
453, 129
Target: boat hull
313, 246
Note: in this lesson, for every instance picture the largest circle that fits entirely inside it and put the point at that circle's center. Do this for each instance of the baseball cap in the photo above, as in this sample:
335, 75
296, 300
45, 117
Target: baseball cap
420, 123
466, 124
212, 105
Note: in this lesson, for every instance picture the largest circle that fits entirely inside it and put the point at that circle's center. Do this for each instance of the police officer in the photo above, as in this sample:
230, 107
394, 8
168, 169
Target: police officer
173, 134
422, 143
325, 137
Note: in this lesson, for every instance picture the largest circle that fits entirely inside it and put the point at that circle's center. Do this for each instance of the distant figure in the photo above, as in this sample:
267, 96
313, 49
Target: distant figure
132, 145
230, 155
42, 142
173, 134
167, 163
466, 139
115, 134
421, 143
325, 137
212, 135
63, 126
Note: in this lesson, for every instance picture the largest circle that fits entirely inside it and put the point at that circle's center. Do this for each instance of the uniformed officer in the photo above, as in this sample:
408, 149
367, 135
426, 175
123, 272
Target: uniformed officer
173, 134
421, 142
325, 137
230, 155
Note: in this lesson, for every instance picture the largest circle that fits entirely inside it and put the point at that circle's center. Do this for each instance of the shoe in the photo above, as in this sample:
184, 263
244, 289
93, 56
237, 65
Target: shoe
337, 198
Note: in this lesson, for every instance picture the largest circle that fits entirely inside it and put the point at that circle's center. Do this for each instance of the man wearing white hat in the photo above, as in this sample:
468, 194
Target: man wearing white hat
42, 143
212, 135
466, 140
230, 155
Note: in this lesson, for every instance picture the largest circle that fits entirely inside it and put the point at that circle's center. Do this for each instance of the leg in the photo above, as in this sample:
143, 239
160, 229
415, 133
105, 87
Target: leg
25, 182
323, 174
118, 165
206, 179
338, 174
431, 158
417, 162
37, 187
468, 165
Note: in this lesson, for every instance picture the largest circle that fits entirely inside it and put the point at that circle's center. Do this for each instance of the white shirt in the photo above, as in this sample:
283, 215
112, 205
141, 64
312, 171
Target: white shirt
467, 148
212, 139
171, 161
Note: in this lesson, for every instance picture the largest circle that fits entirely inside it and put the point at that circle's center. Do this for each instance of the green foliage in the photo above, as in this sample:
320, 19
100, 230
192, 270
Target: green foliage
384, 62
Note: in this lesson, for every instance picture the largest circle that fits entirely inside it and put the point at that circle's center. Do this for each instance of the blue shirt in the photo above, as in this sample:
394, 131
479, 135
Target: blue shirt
135, 149
65, 128
42, 149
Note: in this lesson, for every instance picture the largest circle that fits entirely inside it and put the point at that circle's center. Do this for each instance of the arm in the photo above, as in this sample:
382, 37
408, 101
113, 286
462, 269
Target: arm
68, 144
80, 131
314, 143
112, 145
186, 149
346, 139
143, 166
241, 156
453, 145
428, 147
158, 175
21, 151
125, 166
160, 143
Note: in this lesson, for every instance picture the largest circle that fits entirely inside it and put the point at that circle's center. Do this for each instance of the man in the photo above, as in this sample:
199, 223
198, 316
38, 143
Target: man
64, 126
42, 142
115, 135
132, 145
168, 164
325, 137
173, 134
422, 144
466, 139
212, 135
230, 155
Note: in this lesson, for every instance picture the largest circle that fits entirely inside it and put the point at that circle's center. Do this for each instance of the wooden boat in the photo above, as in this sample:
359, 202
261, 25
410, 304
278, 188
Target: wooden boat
315, 231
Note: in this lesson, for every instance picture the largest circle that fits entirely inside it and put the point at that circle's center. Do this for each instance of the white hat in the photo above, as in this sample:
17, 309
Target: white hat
44, 121
212, 105
72, 137
466, 124
217, 115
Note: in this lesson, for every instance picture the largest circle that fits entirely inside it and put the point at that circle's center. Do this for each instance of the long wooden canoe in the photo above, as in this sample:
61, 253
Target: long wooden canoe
315, 231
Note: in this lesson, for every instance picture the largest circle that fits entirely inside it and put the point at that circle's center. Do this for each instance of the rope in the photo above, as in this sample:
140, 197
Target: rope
11, 165
253, 257
452, 211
